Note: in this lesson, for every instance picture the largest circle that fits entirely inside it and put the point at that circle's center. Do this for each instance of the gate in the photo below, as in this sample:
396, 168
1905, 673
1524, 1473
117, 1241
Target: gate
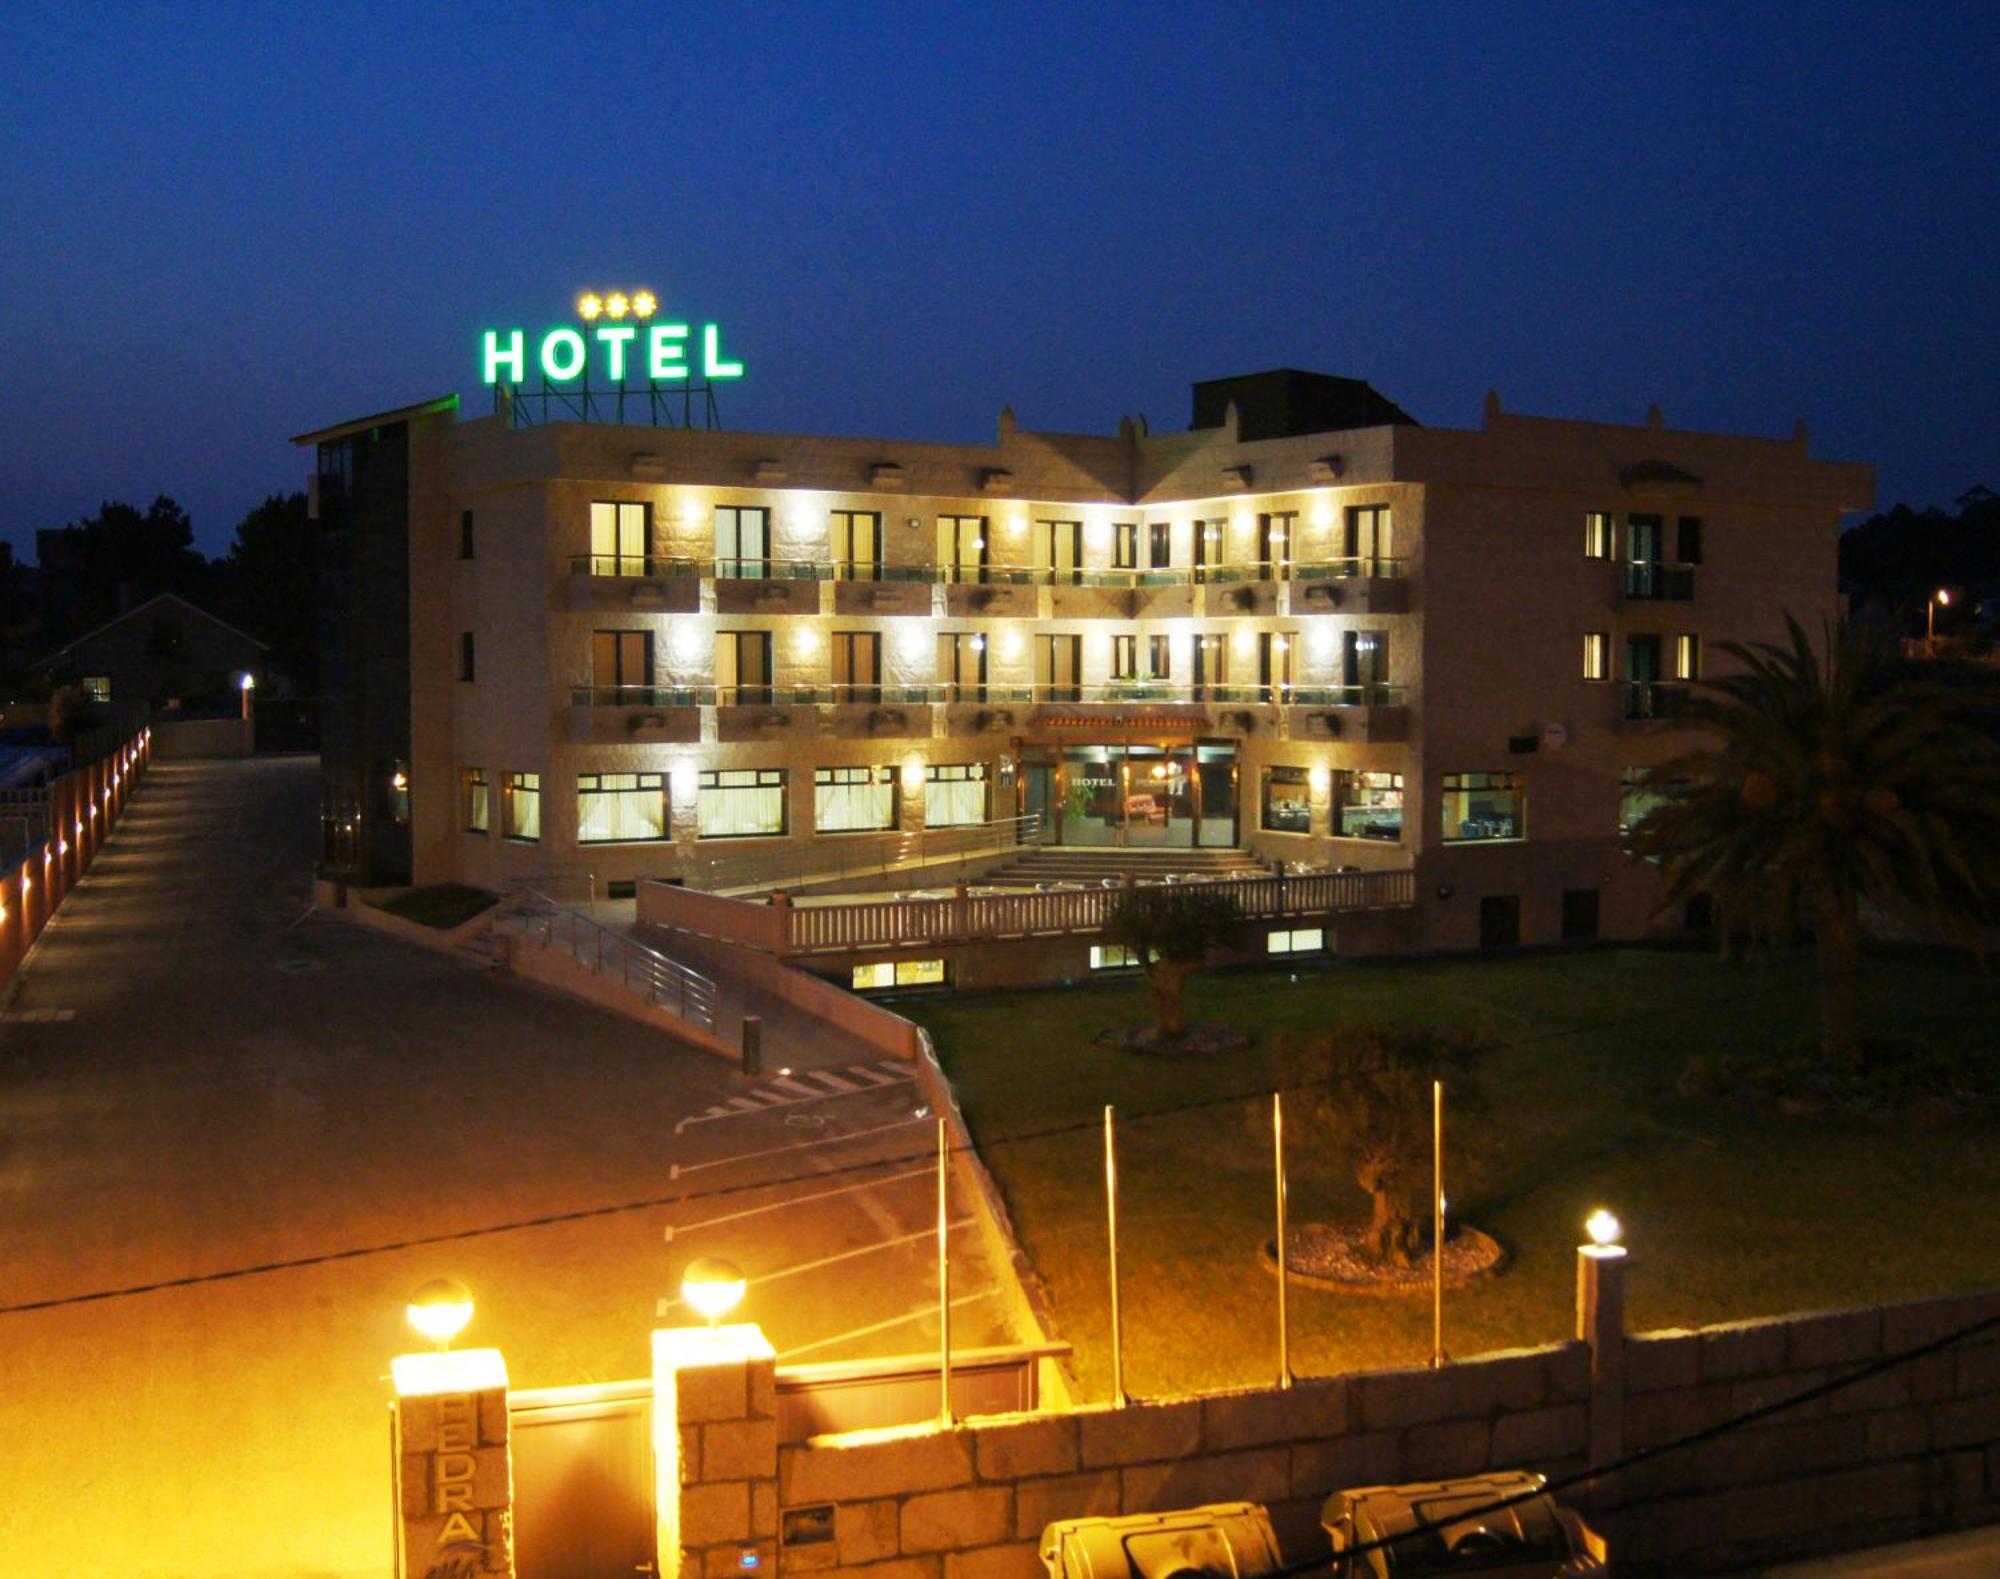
583, 1480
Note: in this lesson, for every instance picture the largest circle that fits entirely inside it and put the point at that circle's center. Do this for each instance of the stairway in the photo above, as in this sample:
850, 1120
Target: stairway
1095, 865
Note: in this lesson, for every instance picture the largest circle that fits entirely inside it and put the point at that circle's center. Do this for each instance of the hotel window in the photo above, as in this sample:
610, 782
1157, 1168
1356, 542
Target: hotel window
1160, 536
1597, 655
521, 807
1207, 542
741, 803
857, 545
1124, 657
1276, 535
1059, 668
465, 534
854, 800
1687, 656
1113, 956
1364, 665
621, 808
961, 665
1160, 657
1211, 665
857, 666
1597, 534
99, 687
1300, 940
1370, 538
1636, 797
620, 539
465, 655
475, 797
957, 794
962, 551
900, 973
743, 668
1125, 545
1287, 800
1059, 550
621, 664
1368, 805
1480, 807
742, 543
1687, 540
1274, 663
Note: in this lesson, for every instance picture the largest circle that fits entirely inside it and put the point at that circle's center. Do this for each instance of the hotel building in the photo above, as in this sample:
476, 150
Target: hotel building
1308, 629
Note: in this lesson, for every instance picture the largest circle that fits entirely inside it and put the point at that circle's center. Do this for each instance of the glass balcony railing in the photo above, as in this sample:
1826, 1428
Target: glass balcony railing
1657, 583
1355, 567
636, 566
1656, 698
1116, 693
771, 568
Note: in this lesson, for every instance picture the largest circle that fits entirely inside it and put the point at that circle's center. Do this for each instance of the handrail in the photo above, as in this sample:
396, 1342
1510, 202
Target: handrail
684, 993
846, 855
1115, 693
634, 566
771, 567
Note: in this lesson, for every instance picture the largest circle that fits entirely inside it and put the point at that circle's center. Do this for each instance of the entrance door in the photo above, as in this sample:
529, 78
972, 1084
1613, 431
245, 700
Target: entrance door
1160, 799
1215, 796
1038, 780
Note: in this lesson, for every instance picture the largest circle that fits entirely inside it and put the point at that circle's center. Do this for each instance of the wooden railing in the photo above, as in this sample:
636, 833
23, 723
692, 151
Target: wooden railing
901, 923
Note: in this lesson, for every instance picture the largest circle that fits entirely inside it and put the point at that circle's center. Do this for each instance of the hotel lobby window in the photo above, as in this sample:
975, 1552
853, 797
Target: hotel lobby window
857, 545
900, 973
620, 808
521, 807
1481, 807
956, 794
1287, 801
742, 543
854, 800
1298, 940
1368, 805
476, 795
741, 803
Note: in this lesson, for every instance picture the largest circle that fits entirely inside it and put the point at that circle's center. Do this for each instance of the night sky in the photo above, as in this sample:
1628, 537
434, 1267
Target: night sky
223, 226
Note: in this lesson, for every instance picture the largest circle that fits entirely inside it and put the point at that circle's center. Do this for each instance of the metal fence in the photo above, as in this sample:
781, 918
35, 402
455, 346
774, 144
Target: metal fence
684, 993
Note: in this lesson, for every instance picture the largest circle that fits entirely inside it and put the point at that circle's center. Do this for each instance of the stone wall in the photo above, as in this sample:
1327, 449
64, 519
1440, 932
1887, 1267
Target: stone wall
1916, 1449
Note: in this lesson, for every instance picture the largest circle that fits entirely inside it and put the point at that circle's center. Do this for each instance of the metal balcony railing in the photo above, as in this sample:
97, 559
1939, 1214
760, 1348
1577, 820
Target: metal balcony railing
1355, 567
769, 568
1656, 699
1116, 693
766, 568
635, 566
1657, 583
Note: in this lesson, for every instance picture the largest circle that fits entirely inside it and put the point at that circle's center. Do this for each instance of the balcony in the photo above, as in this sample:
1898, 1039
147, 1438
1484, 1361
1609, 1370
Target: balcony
1358, 585
636, 714
1648, 582
883, 589
994, 591
1359, 714
1120, 594
637, 582
1654, 701
769, 586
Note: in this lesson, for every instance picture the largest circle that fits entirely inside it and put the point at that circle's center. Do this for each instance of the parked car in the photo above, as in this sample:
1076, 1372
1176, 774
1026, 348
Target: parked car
1499, 1526
1224, 1538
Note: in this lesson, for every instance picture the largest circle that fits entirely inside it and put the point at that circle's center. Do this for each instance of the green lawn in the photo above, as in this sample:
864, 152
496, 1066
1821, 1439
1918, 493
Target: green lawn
441, 905
1729, 1213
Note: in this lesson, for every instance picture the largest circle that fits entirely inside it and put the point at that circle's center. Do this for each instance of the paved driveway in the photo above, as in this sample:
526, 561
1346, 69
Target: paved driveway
246, 1081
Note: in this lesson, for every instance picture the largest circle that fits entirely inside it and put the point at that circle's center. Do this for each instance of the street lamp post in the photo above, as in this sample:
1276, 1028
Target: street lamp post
1941, 597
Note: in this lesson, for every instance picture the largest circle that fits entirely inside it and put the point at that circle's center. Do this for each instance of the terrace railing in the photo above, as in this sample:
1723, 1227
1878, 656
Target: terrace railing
854, 855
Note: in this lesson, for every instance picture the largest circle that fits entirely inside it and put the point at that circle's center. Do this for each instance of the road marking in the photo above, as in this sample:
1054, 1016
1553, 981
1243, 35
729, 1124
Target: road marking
309, 909
664, 1306
36, 1016
825, 1084
681, 1169
883, 1326
797, 1200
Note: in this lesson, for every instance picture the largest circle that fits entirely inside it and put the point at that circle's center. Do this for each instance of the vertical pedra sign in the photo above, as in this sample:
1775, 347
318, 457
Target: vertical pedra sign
455, 1477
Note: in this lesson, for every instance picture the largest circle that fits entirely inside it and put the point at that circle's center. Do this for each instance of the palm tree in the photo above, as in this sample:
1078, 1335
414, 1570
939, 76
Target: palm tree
1829, 783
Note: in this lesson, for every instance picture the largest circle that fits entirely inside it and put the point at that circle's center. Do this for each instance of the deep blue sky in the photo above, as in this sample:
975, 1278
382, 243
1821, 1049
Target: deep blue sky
220, 226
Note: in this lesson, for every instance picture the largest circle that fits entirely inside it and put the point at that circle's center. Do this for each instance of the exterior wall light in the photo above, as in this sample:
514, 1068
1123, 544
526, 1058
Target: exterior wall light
914, 773
1605, 1231
1318, 778
440, 1310
247, 683
714, 1287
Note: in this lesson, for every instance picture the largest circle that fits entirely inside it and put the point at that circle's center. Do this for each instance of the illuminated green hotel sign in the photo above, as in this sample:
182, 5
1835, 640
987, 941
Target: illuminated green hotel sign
621, 335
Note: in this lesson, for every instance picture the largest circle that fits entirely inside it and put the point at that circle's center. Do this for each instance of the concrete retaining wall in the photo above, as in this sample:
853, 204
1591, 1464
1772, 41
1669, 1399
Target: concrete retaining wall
178, 739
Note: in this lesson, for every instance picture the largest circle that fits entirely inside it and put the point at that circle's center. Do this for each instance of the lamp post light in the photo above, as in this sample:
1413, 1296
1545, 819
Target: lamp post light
1938, 599
714, 1287
440, 1310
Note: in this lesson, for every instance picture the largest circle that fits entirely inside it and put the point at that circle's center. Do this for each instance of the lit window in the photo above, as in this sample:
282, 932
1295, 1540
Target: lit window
742, 543
1687, 656
1301, 940
521, 807
741, 803
1124, 657
956, 794
1125, 545
477, 797
1597, 655
1287, 800
890, 974
621, 808
1368, 805
1113, 956
1481, 807
854, 800
99, 686
1597, 534
620, 538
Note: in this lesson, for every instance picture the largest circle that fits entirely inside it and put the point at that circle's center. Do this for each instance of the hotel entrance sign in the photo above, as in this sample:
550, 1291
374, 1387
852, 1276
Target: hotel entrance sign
621, 336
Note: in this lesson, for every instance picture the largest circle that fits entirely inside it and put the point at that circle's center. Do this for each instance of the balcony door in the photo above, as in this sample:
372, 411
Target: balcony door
743, 668
1275, 535
619, 539
961, 666
962, 551
742, 543
1059, 551
1059, 668
1369, 538
1274, 664
857, 666
1211, 667
857, 545
621, 665
1364, 665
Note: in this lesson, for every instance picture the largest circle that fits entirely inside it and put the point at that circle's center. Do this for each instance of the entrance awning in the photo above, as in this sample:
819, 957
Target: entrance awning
1124, 720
